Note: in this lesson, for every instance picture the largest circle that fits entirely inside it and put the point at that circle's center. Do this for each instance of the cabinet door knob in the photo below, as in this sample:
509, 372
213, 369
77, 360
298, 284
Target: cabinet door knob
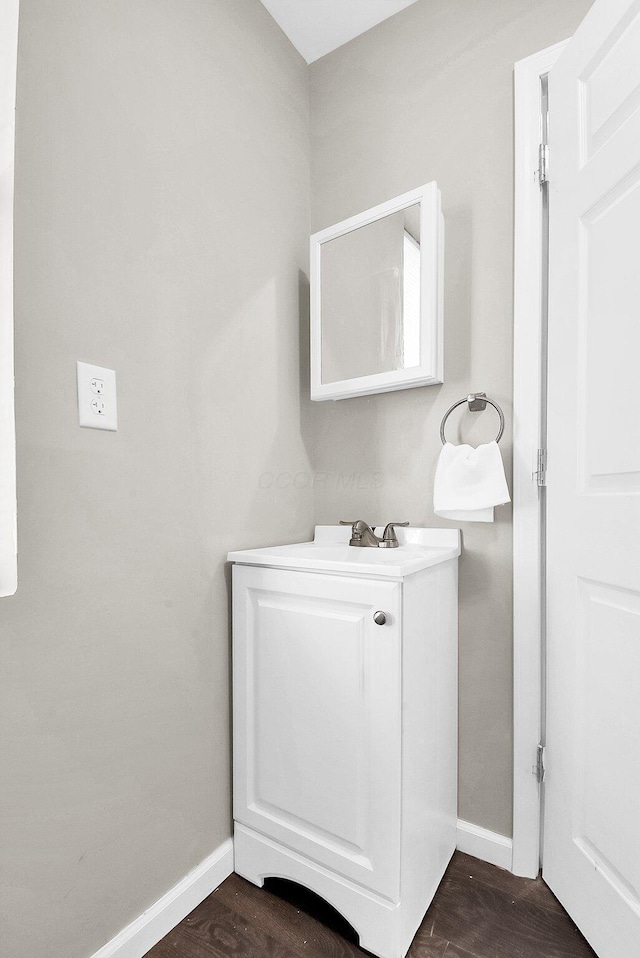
379, 618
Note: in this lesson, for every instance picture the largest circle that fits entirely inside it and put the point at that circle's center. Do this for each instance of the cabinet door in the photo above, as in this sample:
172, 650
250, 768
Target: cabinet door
317, 718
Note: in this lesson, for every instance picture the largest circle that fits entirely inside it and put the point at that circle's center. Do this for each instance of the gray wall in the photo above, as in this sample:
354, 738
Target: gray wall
428, 94
161, 223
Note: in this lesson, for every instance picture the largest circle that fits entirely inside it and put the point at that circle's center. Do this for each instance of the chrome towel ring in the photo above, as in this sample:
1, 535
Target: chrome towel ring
477, 402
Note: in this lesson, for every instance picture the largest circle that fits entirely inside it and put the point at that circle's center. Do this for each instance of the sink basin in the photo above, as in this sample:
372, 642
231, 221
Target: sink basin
330, 552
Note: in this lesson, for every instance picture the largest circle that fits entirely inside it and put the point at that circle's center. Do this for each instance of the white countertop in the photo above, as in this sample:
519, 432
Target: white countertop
330, 552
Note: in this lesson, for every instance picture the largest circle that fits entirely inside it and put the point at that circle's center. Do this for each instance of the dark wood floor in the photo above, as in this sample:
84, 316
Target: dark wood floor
479, 912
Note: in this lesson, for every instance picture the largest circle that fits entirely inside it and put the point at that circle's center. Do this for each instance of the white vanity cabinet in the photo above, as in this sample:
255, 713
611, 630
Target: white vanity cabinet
345, 750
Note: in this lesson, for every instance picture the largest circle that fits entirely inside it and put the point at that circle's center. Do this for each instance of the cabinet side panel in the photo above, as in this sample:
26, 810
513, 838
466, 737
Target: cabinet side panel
429, 737
239, 689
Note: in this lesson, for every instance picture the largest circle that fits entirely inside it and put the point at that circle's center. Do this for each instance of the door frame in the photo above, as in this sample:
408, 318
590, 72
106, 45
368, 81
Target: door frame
528, 412
8, 505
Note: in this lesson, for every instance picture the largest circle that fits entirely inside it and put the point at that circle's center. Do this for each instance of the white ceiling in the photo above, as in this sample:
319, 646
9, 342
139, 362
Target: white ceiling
316, 27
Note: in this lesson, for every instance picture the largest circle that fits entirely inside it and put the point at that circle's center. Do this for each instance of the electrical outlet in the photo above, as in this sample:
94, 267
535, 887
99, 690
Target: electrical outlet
97, 403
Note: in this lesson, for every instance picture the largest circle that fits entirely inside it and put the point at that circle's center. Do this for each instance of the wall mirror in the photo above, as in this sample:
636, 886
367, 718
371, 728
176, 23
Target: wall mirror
376, 299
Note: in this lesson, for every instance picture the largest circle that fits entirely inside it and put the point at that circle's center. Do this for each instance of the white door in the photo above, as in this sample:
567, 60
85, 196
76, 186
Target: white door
317, 718
591, 855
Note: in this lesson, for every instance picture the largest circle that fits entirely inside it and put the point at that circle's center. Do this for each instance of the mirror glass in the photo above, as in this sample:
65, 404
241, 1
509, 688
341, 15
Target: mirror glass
370, 293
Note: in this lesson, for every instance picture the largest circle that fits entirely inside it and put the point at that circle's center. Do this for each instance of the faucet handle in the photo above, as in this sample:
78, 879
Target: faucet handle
389, 538
356, 526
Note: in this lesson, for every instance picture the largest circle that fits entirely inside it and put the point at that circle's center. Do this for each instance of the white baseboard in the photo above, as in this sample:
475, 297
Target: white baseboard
485, 845
147, 929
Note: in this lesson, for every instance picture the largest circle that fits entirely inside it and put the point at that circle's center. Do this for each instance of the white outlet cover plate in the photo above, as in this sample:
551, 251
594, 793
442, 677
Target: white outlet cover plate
97, 402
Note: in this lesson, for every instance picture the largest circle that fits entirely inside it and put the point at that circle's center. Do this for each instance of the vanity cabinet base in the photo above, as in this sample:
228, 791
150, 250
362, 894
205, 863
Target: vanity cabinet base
345, 733
385, 929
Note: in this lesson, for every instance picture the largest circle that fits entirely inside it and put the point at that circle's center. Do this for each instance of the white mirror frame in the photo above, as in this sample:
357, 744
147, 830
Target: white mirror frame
430, 371
8, 511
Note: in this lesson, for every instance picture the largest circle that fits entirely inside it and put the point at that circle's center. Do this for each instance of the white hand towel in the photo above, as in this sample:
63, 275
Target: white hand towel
469, 482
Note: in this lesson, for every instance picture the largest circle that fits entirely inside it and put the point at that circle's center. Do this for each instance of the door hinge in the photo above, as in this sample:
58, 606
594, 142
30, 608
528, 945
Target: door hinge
543, 164
539, 768
541, 468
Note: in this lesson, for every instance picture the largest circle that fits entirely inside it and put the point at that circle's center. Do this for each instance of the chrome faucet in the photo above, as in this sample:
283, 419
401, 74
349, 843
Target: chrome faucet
363, 535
